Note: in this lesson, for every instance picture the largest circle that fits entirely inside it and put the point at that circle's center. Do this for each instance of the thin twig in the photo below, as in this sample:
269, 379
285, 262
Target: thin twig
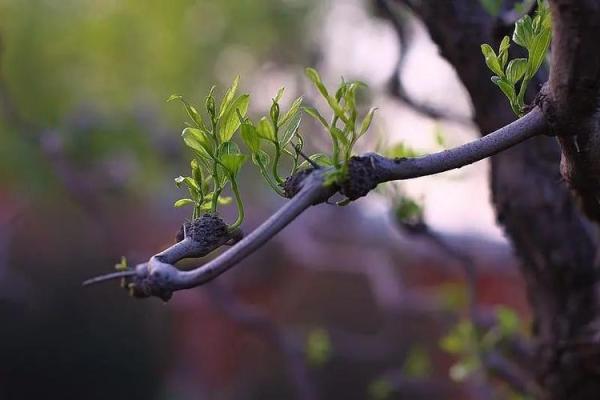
528, 126
107, 277
308, 160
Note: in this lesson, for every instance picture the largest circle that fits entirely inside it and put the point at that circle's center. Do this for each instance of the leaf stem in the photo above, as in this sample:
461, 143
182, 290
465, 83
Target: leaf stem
238, 202
276, 162
273, 185
521, 95
216, 189
336, 146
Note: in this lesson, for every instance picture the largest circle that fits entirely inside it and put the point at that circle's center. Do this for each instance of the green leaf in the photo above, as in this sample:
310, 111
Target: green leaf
458, 339
224, 200
250, 137
452, 344
504, 44
503, 51
339, 135
230, 121
313, 112
350, 99
543, 10
294, 108
366, 123
206, 206
289, 128
174, 97
199, 140
506, 87
228, 148
318, 347
542, 20
227, 169
209, 103
537, 51
261, 159
183, 202
197, 174
279, 95
315, 78
266, 130
233, 162
516, 70
492, 7
523, 34
508, 320
274, 113
341, 92
189, 182
122, 265
228, 97
191, 110
491, 59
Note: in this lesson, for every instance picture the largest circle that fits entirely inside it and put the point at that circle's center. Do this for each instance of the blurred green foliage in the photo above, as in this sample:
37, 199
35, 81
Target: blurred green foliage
89, 79
469, 343
318, 347
119, 60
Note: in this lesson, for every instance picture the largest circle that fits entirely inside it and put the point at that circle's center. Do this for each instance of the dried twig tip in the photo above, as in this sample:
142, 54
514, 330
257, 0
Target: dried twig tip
108, 277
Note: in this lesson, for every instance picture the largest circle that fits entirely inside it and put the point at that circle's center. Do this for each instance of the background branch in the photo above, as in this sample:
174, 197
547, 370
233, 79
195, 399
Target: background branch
400, 17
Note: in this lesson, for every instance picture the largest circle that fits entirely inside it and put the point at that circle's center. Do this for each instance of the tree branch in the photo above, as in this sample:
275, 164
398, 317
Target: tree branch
400, 21
159, 277
368, 171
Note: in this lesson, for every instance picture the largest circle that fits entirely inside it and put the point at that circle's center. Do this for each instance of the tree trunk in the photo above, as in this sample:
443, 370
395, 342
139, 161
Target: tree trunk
556, 243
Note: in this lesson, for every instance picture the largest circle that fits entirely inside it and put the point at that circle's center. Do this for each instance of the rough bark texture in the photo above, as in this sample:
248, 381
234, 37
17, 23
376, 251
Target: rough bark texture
572, 100
555, 242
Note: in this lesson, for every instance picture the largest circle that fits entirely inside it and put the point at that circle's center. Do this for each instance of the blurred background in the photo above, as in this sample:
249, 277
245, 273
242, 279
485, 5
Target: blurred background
354, 303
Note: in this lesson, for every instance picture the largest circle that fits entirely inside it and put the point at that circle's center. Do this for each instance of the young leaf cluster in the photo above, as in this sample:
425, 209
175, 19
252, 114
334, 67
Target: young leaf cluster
468, 343
533, 34
217, 158
344, 128
279, 131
